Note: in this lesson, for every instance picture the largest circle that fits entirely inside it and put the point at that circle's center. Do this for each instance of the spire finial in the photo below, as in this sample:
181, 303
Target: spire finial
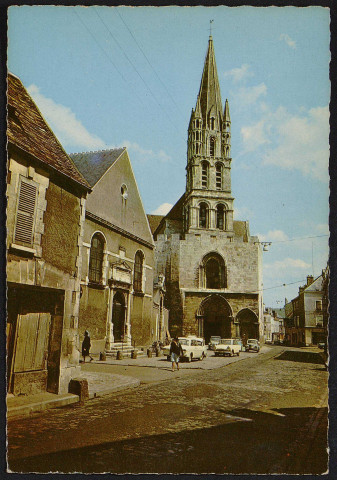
210, 27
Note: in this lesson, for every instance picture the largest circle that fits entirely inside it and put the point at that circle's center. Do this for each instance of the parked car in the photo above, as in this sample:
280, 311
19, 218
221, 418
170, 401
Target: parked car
252, 345
214, 340
228, 346
193, 348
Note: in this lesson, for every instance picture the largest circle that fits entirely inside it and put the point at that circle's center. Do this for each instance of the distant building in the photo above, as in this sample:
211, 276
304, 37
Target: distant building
117, 304
45, 214
212, 266
305, 325
273, 325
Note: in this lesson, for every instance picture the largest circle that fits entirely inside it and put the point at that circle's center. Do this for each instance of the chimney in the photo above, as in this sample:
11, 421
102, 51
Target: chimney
310, 280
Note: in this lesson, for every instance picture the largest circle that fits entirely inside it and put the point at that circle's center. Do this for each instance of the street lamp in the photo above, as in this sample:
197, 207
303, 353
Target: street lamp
264, 244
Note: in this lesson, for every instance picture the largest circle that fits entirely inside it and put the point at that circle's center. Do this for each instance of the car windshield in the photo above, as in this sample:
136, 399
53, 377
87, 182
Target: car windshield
183, 341
252, 341
226, 342
216, 338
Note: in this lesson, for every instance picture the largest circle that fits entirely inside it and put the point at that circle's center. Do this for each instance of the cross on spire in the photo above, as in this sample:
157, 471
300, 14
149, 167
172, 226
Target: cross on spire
210, 27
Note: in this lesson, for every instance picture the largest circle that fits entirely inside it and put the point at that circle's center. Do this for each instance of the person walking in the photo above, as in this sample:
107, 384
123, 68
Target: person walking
175, 352
86, 344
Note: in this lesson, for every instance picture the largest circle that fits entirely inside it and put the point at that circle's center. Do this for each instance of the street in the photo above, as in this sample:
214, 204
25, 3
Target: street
258, 415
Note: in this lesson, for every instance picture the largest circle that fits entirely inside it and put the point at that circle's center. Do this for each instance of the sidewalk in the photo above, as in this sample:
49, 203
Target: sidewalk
99, 384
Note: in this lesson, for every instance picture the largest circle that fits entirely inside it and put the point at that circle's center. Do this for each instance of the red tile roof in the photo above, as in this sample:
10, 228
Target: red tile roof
28, 131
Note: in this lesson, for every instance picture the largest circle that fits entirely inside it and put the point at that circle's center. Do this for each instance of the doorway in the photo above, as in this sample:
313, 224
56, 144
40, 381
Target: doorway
215, 318
118, 316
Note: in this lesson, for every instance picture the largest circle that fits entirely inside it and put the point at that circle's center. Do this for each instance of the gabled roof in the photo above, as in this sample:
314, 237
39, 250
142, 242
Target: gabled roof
154, 221
27, 130
93, 165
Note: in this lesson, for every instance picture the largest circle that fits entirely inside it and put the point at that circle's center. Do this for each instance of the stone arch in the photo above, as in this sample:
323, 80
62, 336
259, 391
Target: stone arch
213, 274
248, 324
215, 317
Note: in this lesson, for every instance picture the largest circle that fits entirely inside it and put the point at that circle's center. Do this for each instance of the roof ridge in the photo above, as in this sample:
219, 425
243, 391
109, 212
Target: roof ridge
98, 151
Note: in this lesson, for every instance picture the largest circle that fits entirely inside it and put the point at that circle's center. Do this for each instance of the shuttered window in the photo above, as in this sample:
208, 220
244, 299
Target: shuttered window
25, 213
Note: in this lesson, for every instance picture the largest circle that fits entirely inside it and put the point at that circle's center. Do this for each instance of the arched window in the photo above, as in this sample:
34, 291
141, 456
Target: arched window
220, 217
214, 271
204, 174
218, 176
96, 258
138, 272
212, 123
212, 147
203, 215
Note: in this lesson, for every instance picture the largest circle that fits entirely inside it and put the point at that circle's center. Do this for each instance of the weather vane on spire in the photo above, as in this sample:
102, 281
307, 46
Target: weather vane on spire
210, 27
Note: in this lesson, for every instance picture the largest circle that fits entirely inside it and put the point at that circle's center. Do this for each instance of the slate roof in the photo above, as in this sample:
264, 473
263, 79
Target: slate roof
154, 221
93, 165
27, 130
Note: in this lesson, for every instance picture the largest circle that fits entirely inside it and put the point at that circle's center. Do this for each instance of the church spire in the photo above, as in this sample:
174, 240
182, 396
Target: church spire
209, 92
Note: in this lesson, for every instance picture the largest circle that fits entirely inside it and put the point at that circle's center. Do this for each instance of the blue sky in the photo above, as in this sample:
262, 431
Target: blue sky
106, 77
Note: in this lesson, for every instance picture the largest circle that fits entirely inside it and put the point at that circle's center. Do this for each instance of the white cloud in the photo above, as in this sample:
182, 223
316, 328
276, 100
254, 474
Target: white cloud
286, 266
163, 209
302, 143
254, 136
245, 96
289, 41
67, 128
146, 154
294, 142
273, 236
238, 74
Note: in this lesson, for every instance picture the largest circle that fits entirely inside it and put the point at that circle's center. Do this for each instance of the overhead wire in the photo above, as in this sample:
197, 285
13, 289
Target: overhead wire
298, 238
135, 69
148, 61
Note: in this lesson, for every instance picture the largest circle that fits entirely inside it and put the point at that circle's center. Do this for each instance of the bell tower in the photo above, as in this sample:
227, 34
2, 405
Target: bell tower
208, 201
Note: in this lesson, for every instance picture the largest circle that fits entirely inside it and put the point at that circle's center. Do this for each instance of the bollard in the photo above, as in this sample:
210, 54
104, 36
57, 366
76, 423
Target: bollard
134, 354
149, 353
119, 355
102, 356
79, 386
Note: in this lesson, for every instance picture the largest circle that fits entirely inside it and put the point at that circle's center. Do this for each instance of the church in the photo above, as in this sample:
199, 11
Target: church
212, 266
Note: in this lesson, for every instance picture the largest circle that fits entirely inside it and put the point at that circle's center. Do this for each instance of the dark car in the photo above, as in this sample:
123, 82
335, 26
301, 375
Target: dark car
252, 345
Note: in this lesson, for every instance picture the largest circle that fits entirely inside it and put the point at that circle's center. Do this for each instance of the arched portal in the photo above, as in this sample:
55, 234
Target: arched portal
248, 324
118, 316
215, 317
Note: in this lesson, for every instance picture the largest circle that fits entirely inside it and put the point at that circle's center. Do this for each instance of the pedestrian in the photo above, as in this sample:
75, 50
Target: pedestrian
175, 352
86, 344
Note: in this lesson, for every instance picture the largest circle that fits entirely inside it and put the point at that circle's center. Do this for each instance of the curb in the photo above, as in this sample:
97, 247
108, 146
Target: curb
30, 408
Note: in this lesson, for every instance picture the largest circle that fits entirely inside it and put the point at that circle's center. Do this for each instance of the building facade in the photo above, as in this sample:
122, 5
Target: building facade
45, 215
117, 281
212, 266
305, 325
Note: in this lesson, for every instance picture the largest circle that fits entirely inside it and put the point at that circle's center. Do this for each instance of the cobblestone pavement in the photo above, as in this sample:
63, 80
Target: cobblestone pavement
256, 416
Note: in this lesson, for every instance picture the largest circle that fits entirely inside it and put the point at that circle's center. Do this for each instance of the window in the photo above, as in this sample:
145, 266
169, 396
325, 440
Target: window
124, 192
318, 304
212, 147
203, 215
220, 217
25, 212
212, 123
96, 258
204, 174
214, 271
218, 177
138, 272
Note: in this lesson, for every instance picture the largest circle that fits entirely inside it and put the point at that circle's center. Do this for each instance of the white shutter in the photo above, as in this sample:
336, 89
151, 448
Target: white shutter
25, 213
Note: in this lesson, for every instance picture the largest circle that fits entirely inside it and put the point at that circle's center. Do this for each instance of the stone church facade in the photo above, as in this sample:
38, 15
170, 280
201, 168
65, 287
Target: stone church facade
212, 266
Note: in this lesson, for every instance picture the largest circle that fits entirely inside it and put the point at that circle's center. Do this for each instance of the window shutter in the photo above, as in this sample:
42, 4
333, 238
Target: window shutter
25, 213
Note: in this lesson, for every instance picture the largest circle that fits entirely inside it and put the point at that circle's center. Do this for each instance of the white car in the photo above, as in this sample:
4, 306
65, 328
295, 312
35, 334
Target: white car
193, 348
228, 346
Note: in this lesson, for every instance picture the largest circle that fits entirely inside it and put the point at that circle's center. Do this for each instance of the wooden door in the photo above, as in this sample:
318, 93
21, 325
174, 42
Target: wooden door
31, 349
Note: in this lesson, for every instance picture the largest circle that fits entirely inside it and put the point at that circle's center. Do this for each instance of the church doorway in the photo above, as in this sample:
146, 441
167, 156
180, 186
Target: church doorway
249, 324
118, 316
214, 316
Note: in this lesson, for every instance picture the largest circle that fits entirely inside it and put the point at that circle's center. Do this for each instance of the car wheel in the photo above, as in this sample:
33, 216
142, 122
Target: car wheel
190, 358
216, 354
238, 353
232, 353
